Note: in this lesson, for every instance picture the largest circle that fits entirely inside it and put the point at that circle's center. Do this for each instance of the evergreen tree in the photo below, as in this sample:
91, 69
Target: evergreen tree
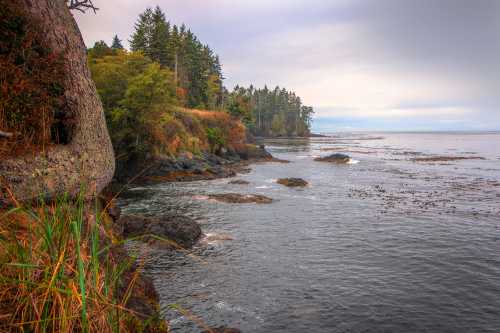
158, 44
117, 43
141, 38
197, 70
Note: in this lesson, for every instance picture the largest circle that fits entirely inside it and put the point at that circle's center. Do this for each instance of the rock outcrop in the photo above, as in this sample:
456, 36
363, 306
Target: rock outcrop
86, 159
176, 230
334, 158
292, 182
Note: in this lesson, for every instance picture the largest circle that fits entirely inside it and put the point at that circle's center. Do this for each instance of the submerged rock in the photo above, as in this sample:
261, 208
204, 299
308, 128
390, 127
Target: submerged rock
334, 158
223, 330
180, 229
292, 182
239, 182
446, 158
241, 198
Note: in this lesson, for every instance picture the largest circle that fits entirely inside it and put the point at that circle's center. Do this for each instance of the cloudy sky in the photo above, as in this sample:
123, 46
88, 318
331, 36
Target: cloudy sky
362, 64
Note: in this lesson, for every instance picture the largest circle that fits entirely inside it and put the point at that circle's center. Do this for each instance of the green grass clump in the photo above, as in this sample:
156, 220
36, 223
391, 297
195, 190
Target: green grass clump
58, 272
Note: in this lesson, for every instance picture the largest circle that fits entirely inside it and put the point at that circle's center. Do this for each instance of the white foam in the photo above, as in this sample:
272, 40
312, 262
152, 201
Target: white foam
262, 187
201, 197
351, 161
212, 238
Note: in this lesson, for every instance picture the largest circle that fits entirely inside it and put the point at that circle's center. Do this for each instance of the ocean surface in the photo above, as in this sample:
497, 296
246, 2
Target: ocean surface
383, 244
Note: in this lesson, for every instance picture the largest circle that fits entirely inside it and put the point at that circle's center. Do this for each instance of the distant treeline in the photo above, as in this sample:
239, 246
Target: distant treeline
273, 113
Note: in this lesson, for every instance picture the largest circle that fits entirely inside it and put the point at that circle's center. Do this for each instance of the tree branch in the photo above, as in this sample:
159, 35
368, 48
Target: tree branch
82, 5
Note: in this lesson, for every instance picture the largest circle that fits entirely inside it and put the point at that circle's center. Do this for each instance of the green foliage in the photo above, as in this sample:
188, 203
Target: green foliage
135, 92
267, 112
100, 49
197, 68
215, 138
117, 43
239, 107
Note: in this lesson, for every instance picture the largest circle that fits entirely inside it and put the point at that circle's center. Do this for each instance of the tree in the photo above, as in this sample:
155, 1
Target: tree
117, 43
100, 49
87, 157
141, 38
277, 112
160, 32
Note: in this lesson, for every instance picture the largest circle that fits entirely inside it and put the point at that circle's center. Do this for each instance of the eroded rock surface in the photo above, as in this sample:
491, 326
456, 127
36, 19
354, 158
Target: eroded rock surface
293, 182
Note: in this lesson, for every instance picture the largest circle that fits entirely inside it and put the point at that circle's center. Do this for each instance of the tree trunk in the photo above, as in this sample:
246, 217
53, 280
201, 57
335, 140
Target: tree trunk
87, 160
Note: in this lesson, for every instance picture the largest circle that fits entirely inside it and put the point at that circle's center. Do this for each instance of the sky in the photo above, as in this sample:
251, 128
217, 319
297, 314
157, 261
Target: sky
362, 64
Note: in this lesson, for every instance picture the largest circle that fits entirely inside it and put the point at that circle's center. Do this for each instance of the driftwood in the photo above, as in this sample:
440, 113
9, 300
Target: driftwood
82, 5
87, 159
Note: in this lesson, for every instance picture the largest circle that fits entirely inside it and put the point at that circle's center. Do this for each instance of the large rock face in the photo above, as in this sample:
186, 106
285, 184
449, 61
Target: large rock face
87, 160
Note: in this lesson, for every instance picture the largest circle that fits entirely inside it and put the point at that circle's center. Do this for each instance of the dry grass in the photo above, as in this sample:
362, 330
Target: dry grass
58, 272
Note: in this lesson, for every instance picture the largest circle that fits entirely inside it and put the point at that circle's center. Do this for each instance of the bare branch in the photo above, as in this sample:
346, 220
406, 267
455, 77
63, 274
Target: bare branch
82, 5
6, 135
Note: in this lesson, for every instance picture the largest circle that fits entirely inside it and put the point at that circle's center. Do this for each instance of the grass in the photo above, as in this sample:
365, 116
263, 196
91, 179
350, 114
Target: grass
58, 272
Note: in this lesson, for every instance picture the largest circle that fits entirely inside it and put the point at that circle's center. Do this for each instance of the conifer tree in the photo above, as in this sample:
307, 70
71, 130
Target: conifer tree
117, 43
160, 32
141, 38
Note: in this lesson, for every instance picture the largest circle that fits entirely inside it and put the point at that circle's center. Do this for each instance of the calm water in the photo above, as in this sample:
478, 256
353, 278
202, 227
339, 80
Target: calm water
384, 245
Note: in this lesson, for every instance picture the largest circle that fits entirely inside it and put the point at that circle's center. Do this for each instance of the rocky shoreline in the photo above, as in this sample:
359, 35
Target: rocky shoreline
177, 232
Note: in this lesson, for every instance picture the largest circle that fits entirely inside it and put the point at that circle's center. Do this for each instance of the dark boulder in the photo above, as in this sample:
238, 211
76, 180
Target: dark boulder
334, 158
180, 229
292, 182
254, 153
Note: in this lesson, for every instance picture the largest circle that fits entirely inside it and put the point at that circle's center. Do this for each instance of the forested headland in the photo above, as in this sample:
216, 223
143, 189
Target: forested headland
148, 94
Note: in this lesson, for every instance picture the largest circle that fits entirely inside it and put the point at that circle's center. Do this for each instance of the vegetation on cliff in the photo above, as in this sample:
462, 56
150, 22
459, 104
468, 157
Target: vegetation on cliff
145, 115
156, 96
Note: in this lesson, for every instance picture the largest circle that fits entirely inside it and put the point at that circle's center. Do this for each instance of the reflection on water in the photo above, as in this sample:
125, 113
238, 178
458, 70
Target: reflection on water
385, 245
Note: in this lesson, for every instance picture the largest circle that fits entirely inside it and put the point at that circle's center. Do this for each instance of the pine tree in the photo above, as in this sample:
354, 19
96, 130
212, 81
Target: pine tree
117, 43
160, 33
141, 38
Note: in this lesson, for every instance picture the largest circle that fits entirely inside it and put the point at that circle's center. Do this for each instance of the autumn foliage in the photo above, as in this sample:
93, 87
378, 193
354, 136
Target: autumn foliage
31, 89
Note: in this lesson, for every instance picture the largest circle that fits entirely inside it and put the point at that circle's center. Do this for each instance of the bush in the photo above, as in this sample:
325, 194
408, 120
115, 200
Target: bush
215, 138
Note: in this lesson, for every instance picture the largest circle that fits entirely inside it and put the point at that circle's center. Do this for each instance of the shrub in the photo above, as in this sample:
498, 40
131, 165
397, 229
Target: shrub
215, 139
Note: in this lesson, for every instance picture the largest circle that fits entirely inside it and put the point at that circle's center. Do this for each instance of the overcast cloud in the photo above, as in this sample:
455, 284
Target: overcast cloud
372, 64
